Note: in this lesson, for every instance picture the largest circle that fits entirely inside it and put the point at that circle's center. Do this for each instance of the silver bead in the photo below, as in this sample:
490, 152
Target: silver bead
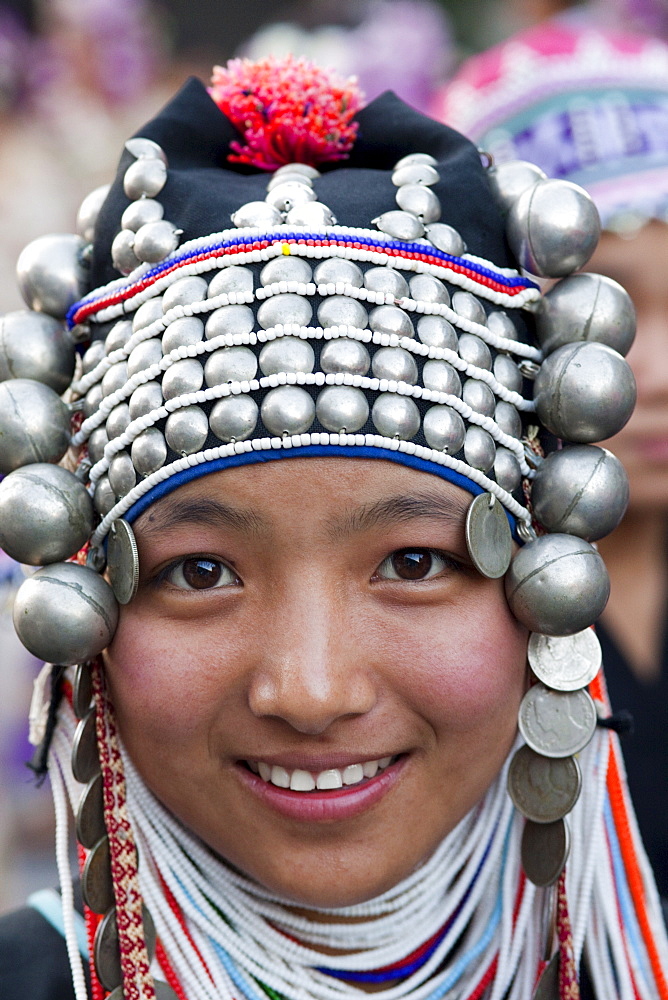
341, 310
289, 195
342, 408
469, 307
148, 312
92, 357
343, 355
434, 331
65, 613
305, 169
234, 418
475, 351
420, 201
46, 514
237, 320
427, 288
145, 399
118, 421
338, 269
184, 292
412, 158
140, 213
394, 363
581, 490
478, 396
507, 470
584, 392
586, 307
235, 279
508, 419
444, 429
395, 416
114, 378
256, 215
142, 148
89, 211
285, 268
34, 424
51, 275
293, 176
509, 180
507, 373
118, 336
399, 225
186, 430
144, 355
144, 178
123, 255
36, 346
553, 228
442, 377
104, 498
230, 364
282, 309
501, 325
391, 319
122, 477
92, 400
96, 444
182, 377
557, 585
287, 410
313, 214
446, 239
155, 241
415, 173
149, 451
479, 448
183, 332
288, 354
386, 280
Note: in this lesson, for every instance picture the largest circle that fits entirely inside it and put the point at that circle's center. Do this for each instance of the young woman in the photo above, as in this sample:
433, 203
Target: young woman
295, 629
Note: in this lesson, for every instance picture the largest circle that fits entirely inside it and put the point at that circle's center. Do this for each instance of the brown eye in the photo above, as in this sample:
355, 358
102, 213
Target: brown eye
412, 564
200, 573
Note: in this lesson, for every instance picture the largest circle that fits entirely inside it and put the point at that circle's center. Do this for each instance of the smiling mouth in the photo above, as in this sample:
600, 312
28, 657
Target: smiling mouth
331, 779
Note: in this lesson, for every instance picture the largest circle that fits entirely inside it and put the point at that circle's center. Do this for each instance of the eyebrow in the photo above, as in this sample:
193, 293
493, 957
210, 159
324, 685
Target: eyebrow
199, 510
401, 510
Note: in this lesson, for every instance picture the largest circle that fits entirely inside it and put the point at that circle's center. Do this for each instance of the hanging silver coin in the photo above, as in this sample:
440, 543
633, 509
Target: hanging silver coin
82, 690
548, 984
488, 537
107, 948
89, 210
386, 280
97, 887
122, 561
565, 662
90, 813
123, 255
400, 225
85, 759
544, 789
544, 851
557, 723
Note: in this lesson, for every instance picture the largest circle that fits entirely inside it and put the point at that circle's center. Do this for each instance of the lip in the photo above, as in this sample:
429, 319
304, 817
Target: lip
323, 807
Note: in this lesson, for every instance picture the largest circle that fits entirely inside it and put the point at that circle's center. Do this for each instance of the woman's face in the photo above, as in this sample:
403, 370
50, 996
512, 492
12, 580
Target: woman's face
640, 264
303, 620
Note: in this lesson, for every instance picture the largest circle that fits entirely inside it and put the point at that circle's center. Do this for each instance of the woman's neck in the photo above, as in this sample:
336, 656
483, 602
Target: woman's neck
636, 561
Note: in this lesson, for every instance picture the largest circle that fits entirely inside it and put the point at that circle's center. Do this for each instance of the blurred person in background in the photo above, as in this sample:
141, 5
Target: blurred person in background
592, 107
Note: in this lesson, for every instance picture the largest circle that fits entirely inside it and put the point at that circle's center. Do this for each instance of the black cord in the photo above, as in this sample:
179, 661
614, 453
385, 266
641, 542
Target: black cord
621, 722
39, 763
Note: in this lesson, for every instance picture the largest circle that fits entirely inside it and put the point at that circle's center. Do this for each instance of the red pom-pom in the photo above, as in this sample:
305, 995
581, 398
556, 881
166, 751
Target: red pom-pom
288, 111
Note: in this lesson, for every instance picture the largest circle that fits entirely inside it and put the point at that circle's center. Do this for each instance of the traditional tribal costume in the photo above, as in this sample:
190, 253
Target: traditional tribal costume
363, 302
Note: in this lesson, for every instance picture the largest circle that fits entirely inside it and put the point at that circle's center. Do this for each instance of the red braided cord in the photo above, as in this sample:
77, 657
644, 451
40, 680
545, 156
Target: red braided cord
135, 963
568, 976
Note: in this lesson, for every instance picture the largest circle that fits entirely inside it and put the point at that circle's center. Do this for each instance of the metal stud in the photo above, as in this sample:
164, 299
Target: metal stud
442, 377
92, 400
341, 310
140, 213
500, 324
285, 268
427, 288
342, 408
507, 373
478, 396
395, 363
479, 449
149, 451
256, 215
420, 201
475, 351
122, 561
446, 239
148, 312
400, 225
182, 377
36, 346
230, 364
292, 175
391, 319
508, 419
122, 476
51, 274
287, 409
313, 214
305, 169
186, 430
145, 355
234, 418
386, 280
280, 310
469, 307
343, 355
415, 173
118, 421
34, 424
114, 378
89, 211
290, 194
144, 399
155, 240
412, 158
586, 307
92, 357
395, 416
338, 269
118, 336
123, 254
236, 320
104, 497
507, 470
140, 147
288, 354
184, 292
444, 429
183, 332
434, 331
144, 178
236, 279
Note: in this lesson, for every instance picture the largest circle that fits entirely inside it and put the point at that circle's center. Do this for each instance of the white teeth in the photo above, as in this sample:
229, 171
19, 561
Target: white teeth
327, 780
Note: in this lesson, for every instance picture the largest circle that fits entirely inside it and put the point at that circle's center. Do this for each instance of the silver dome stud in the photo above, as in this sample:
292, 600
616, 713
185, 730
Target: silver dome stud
427, 288
287, 409
342, 408
36, 346
185, 291
469, 307
395, 363
92, 357
500, 324
186, 430
118, 336
444, 429
145, 177
508, 419
446, 239
343, 355
235, 279
34, 424
341, 310
144, 355
586, 307
305, 169
395, 416
286, 268
400, 225
391, 319
122, 475
312, 214
478, 396
65, 613
475, 351
442, 377
479, 448
415, 173
234, 418
256, 215
290, 194
97, 442
280, 310
155, 241
509, 180
288, 354
412, 158
557, 585
386, 280
507, 470
104, 497
92, 400
89, 211
123, 255
183, 332
118, 421
230, 364
114, 378
144, 399
51, 274
507, 373
601, 498
140, 213
237, 320
420, 201
148, 312
434, 331
338, 269
182, 377
149, 451
142, 148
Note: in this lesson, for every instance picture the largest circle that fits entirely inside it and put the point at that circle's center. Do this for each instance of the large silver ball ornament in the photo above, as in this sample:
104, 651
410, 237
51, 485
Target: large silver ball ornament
89, 211
553, 228
557, 585
65, 613
51, 274
600, 501
46, 514
509, 180
34, 424
586, 307
584, 392
36, 346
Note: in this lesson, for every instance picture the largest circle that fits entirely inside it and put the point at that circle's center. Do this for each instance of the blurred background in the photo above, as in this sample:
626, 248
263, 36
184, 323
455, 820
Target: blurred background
76, 78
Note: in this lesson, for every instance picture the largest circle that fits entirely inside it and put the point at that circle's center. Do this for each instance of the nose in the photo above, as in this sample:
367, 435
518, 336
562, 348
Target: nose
310, 672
